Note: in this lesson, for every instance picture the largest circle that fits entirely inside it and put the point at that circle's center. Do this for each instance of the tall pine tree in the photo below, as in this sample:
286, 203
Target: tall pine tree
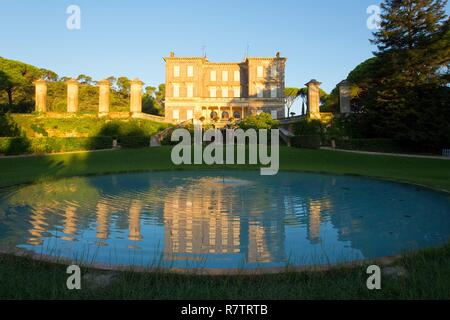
408, 98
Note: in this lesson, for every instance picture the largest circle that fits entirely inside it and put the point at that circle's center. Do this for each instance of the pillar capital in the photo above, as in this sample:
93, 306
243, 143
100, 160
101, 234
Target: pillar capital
136, 82
72, 82
103, 82
313, 82
40, 81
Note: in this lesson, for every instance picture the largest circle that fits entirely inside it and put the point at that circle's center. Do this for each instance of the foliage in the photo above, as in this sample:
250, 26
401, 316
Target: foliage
83, 126
260, 121
308, 127
134, 141
17, 91
23, 145
16, 85
307, 141
403, 93
291, 95
8, 127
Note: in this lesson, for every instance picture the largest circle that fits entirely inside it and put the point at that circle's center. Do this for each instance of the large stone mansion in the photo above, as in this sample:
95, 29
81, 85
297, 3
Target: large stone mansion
199, 89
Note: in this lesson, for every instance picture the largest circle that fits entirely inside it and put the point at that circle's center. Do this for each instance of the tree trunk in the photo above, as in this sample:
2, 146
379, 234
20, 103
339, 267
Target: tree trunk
10, 97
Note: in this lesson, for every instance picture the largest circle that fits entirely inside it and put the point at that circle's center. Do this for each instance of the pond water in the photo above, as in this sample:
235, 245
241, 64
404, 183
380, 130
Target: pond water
214, 219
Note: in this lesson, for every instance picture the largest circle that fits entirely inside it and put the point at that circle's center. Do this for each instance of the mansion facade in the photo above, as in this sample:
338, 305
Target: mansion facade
199, 89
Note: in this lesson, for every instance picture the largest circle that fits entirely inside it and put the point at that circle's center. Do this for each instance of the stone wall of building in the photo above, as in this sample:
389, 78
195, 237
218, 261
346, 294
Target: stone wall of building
196, 88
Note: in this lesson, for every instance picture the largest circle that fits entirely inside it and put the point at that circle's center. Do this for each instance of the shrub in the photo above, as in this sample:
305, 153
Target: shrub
134, 141
260, 121
377, 145
306, 141
23, 145
8, 127
307, 127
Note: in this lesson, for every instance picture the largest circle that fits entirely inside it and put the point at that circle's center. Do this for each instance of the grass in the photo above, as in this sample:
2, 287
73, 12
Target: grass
428, 272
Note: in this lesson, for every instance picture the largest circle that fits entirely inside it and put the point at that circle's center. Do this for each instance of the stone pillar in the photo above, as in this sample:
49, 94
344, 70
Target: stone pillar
344, 96
103, 97
243, 113
314, 99
40, 95
72, 96
136, 96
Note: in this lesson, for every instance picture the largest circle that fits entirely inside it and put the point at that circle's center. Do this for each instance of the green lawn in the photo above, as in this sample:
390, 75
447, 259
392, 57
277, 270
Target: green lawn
428, 271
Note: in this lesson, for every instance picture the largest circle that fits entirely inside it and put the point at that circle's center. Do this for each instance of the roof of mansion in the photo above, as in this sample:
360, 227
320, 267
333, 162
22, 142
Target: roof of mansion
205, 59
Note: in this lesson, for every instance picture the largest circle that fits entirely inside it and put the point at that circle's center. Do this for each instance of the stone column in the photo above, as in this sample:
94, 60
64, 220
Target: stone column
314, 99
103, 97
40, 95
344, 96
136, 96
72, 96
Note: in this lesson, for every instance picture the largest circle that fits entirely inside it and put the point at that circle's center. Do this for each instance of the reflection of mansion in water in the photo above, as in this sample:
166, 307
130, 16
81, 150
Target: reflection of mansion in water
201, 217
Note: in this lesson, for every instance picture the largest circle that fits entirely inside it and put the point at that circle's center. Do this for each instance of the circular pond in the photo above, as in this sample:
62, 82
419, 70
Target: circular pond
229, 219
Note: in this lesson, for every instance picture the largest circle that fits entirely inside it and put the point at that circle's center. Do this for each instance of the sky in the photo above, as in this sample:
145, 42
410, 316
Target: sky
322, 39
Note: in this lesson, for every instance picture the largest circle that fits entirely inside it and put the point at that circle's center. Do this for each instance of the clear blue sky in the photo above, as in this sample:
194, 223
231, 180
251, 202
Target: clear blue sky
322, 39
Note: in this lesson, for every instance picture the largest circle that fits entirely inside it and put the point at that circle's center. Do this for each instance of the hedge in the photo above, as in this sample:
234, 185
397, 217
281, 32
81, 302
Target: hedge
306, 141
376, 145
23, 145
134, 141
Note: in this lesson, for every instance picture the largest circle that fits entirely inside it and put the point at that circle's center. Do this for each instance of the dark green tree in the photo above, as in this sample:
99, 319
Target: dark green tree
404, 93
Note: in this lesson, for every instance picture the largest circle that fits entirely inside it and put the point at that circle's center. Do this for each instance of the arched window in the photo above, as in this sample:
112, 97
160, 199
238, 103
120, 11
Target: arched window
225, 115
237, 115
213, 115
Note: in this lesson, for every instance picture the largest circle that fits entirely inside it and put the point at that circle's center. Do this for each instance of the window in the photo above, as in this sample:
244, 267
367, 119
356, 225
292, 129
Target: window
260, 71
190, 90
176, 114
237, 92
274, 71
190, 71
273, 91
224, 75
176, 71
190, 115
212, 92
274, 114
237, 75
260, 92
213, 75
225, 92
176, 90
